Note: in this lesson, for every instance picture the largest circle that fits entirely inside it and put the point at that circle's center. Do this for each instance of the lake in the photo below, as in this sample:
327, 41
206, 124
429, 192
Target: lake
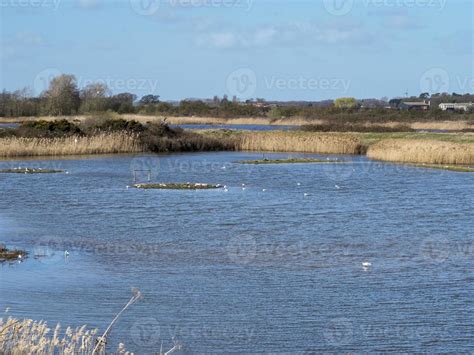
272, 268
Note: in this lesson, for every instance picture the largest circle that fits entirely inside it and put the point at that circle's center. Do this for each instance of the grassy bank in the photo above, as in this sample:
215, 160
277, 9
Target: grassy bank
346, 123
104, 143
301, 142
422, 152
109, 136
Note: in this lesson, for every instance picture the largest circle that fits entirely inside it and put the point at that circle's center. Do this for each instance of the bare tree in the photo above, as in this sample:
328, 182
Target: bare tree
62, 95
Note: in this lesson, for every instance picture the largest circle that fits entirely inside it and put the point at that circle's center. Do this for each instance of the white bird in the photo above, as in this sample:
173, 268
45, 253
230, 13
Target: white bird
66, 253
223, 168
264, 190
366, 264
306, 194
299, 184
225, 190
225, 187
337, 187
20, 256
243, 185
243, 188
127, 187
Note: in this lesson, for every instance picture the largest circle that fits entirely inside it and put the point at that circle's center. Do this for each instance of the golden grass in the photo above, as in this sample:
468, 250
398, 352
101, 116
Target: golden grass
301, 142
106, 143
422, 151
18, 337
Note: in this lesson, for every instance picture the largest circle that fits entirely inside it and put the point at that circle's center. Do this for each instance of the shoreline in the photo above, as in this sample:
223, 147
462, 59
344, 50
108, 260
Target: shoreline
418, 125
440, 149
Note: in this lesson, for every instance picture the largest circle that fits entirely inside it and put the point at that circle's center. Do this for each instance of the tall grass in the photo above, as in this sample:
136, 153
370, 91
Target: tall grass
422, 151
103, 143
33, 337
303, 142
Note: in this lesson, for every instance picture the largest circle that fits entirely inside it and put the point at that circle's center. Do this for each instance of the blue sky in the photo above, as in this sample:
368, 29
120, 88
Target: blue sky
282, 50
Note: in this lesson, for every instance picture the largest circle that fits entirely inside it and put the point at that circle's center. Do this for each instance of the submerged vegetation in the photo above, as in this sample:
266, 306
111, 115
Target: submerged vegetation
457, 168
11, 255
289, 161
177, 186
30, 171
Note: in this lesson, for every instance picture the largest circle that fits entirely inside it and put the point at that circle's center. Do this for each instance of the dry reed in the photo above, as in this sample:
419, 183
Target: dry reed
303, 142
422, 151
18, 337
105, 143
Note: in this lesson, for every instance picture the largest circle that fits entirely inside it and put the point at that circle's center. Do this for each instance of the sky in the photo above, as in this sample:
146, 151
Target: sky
278, 50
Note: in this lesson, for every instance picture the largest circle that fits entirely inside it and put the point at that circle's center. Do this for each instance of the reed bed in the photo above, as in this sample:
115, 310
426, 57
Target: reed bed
422, 152
301, 142
104, 143
19, 337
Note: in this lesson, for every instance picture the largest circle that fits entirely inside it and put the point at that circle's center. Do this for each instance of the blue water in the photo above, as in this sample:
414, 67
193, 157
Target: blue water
246, 271
9, 125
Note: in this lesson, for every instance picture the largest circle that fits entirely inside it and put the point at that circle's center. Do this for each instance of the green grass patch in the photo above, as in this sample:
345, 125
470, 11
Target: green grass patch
30, 171
458, 168
288, 161
177, 186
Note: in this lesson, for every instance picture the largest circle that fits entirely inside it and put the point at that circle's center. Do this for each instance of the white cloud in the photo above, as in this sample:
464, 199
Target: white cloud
290, 34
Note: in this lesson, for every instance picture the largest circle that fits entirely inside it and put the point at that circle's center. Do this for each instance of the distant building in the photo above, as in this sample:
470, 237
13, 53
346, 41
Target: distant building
422, 106
456, 106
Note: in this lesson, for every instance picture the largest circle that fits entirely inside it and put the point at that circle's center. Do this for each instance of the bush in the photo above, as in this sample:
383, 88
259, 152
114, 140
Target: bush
42, 128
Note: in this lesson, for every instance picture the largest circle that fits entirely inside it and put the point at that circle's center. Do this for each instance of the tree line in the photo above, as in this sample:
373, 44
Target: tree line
63, 98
